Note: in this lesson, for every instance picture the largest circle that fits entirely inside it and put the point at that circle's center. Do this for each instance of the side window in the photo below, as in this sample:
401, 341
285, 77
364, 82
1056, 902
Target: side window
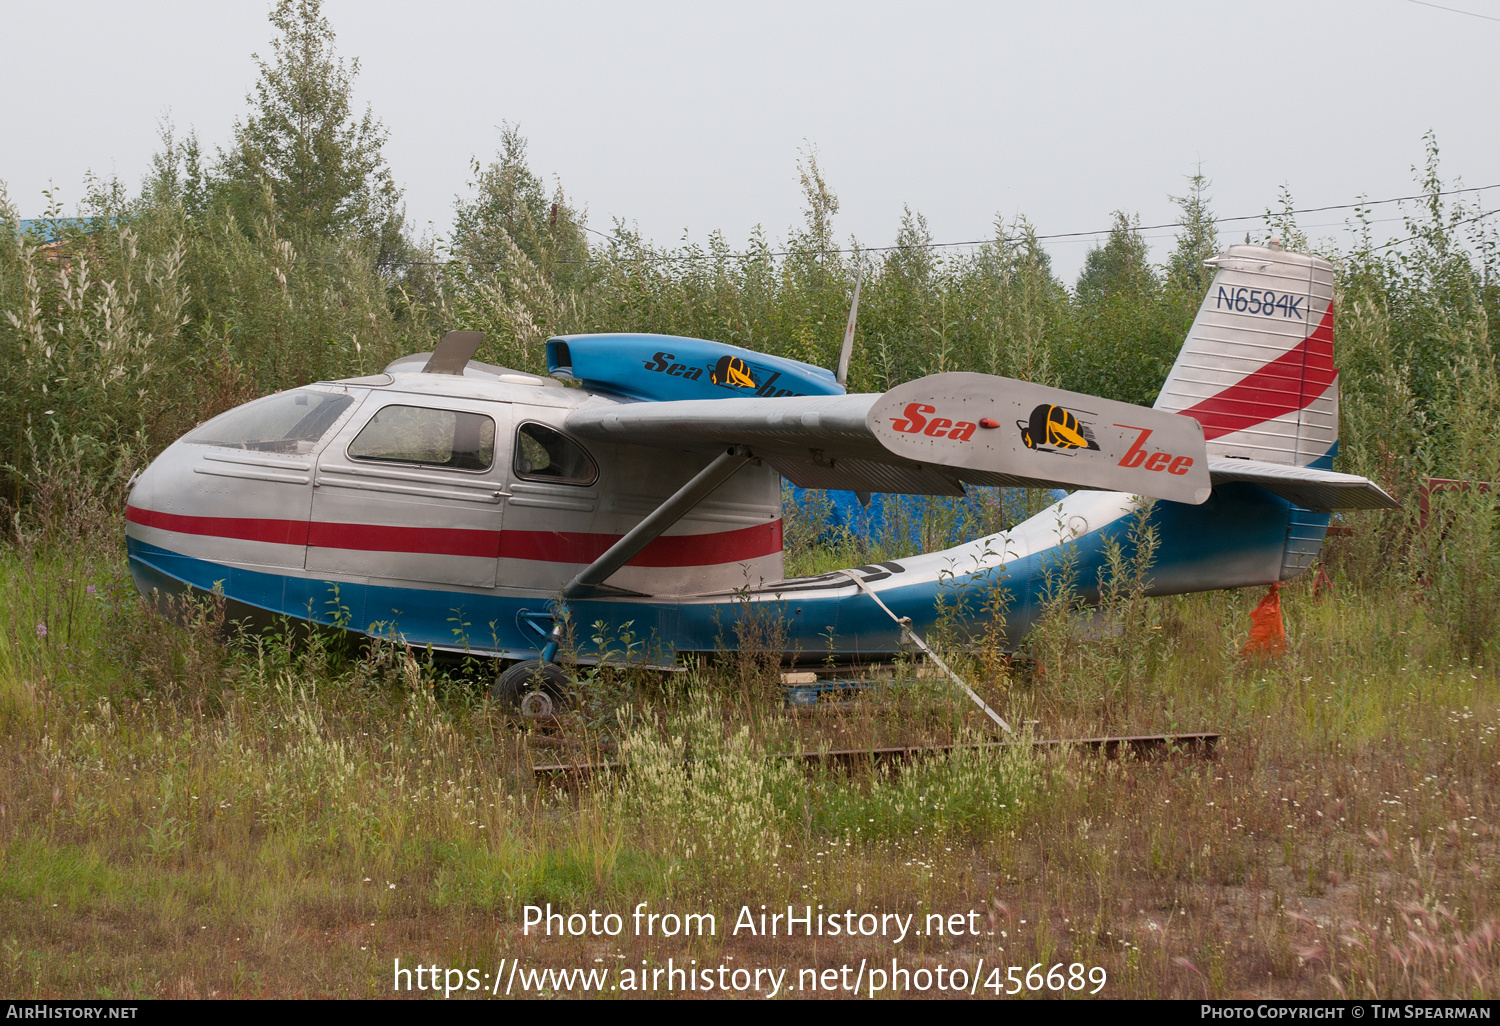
545, 455
436, 438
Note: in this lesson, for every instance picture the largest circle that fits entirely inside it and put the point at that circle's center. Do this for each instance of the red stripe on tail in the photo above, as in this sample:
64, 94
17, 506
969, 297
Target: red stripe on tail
1291, 382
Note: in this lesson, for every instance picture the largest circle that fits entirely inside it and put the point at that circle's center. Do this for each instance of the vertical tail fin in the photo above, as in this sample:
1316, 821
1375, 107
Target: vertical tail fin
1257, 368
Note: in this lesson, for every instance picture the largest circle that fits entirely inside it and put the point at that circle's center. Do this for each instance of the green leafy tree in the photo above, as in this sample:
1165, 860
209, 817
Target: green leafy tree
301, 154
816, 237
177, 173
1026, 304
1122, 266
815, 280
509, 206
1125, 336
1196, 242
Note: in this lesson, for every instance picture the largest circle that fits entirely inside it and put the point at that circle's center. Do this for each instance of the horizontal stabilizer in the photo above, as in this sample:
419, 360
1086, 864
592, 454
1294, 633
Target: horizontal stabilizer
1022, 430
1320, 490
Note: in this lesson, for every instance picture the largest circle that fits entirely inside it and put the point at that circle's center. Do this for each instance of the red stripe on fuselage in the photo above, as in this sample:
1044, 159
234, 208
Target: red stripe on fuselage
280, 532
1291, 382
676, 550
547, 546
431, 541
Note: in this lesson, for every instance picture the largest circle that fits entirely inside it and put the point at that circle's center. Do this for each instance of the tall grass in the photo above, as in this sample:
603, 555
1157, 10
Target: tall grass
183, 817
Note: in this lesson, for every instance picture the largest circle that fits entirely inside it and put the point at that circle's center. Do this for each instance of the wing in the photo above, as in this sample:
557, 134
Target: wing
933, 435
814, 441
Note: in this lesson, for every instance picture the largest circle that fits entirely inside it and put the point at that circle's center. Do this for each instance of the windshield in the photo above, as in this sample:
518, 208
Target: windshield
291, 422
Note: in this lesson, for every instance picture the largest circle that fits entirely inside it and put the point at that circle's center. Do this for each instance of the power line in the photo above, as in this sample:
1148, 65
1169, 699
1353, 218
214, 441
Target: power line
1136, 228
1454, 224
1359, 205
1323, 224
1453, 10
1303, 210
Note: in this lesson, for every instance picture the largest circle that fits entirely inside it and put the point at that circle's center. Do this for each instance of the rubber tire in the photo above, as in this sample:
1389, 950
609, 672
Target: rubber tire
515, 686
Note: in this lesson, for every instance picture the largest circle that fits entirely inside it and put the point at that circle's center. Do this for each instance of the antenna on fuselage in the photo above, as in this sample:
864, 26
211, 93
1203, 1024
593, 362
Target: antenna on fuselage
842, 374
454, 352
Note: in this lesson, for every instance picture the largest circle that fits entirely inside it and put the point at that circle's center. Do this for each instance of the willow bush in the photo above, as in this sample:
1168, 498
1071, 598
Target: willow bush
274, 263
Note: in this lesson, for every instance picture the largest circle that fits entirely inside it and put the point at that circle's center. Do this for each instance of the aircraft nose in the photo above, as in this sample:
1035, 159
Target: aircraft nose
142, 487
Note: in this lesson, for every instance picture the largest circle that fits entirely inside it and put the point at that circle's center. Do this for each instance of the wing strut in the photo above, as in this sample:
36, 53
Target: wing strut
647, 531
904, 622
664, 516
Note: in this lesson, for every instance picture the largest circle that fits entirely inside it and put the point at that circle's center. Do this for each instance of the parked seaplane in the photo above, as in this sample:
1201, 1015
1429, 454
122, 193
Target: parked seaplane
469, 507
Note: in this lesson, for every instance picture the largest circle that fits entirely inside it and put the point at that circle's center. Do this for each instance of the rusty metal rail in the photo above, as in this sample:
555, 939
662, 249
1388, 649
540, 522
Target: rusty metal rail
1447, 484
1145, 745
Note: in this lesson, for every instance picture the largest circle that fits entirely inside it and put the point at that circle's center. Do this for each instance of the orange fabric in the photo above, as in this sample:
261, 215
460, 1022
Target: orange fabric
1321, 584
1267, 632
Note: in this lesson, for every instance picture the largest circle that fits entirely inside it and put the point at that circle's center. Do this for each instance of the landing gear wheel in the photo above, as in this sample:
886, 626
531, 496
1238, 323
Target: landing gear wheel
536, 703
533, 688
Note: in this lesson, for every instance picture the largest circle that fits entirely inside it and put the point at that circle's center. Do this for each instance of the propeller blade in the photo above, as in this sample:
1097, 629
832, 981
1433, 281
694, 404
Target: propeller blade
454, 352
842, 374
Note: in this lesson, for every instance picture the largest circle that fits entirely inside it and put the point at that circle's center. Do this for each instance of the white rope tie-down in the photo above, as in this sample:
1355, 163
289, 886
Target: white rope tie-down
904, 622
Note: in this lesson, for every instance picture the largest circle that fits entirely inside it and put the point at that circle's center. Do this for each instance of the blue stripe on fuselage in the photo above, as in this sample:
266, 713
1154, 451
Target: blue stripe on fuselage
1236, 538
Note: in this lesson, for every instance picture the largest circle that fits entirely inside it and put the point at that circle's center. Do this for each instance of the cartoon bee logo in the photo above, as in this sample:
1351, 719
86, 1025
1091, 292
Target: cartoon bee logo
1054, 429
732, 372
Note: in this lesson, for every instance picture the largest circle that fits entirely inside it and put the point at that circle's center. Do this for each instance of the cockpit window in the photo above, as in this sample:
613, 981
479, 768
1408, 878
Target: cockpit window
545, 455
290, 422
436, 438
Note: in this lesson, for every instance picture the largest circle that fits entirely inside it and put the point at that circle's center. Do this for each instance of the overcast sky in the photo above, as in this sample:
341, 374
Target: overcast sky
683, 118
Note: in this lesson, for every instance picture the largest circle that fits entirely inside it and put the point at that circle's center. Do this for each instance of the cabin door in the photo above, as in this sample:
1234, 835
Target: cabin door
413, 490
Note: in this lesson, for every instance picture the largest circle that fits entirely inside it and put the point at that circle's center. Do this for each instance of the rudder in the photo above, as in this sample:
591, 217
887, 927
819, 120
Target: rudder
1257, 367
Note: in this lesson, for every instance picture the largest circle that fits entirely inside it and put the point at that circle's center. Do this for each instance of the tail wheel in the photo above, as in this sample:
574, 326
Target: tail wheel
532, 688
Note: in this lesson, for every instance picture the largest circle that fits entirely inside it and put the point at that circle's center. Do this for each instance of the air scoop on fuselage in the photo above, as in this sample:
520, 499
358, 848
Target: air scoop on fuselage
658, 368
